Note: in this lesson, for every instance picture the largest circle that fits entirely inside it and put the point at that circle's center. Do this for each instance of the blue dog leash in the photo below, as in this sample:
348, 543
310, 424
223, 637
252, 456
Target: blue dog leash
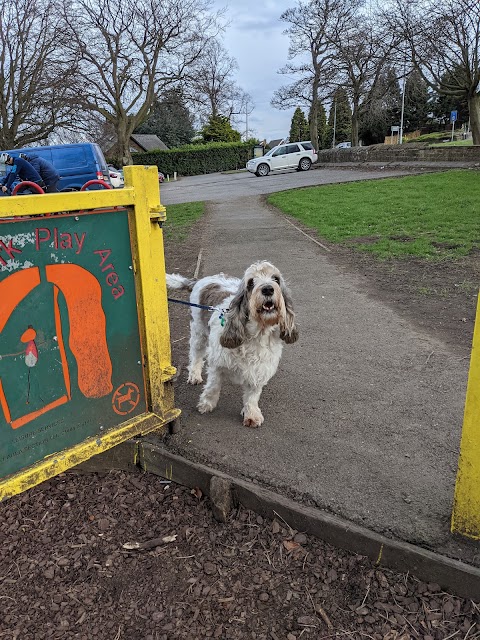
202, 306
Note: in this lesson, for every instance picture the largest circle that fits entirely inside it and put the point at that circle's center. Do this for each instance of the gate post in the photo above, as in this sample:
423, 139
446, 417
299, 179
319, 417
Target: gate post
149, 268
466, 507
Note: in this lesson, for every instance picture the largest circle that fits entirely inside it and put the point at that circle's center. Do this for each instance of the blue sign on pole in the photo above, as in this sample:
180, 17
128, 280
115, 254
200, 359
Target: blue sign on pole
453, 116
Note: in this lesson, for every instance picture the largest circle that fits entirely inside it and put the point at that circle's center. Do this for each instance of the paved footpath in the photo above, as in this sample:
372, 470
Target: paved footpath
363, 418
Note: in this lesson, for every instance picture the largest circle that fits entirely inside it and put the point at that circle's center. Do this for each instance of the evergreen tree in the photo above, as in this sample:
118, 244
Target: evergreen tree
299, 129
392, 100
322, 127
442, 105
170, 120
384, 111
219, 129
417, 107
340, 118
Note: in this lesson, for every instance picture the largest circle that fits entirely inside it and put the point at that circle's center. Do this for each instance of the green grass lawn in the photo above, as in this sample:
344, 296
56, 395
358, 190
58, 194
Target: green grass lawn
436, 139
434, 216
455, 143
180, 218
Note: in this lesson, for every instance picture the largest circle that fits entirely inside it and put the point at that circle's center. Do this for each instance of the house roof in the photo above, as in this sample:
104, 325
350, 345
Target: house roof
274, 143
148, 141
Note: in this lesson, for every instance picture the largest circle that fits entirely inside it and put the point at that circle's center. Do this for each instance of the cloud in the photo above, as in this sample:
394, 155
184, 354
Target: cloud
255, 39
263, 24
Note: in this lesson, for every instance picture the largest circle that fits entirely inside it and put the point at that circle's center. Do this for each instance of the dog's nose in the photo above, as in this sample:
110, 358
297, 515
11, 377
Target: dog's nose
267, 290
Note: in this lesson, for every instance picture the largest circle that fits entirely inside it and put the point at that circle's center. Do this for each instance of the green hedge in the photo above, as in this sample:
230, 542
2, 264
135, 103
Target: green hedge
194, 159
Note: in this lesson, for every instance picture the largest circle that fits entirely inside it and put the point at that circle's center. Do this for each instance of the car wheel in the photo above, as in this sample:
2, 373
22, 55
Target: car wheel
262, 170
304, 164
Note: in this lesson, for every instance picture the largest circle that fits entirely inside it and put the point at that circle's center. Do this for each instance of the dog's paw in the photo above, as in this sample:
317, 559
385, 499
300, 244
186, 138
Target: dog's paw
252, 419
194, 378
204, 406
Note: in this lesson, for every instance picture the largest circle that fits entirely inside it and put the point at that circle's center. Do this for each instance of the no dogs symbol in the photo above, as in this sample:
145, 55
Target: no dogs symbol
125, 398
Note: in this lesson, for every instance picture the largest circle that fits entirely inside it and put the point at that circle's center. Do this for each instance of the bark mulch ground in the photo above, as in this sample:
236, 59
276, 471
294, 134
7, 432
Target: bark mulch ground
67, 574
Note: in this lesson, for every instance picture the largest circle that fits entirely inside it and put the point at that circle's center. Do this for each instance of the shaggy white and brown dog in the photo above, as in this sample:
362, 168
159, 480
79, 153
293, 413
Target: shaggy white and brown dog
245, 342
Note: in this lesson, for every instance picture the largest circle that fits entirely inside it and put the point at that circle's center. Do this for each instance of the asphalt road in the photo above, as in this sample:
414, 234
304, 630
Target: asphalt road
224, 187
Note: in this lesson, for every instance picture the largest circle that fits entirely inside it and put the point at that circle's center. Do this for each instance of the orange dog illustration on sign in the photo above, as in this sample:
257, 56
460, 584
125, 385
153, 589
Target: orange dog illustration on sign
82, 293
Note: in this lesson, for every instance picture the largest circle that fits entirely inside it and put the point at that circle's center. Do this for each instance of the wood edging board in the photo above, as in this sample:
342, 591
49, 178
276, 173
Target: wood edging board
455, 576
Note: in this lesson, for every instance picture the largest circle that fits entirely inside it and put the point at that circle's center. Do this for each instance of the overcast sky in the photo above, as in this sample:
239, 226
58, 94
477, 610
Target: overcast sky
255, 39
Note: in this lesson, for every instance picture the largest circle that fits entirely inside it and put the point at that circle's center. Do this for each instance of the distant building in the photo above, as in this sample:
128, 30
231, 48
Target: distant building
139, 143
274, 143
146, 142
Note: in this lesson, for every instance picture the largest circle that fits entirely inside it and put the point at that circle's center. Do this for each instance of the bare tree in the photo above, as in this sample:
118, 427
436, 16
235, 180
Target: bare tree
362, 52
91, 127
444, 44
33, 73
212, 88
296, 93
129, 51
311, 31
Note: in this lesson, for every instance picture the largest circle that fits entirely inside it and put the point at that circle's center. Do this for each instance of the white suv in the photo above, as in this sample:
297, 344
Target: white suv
291, 155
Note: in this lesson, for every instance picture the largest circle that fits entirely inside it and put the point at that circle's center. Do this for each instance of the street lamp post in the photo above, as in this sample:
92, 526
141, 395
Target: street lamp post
400, 141
402, 111
334, 121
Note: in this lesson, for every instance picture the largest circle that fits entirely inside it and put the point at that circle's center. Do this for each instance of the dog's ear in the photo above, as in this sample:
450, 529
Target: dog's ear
288, 329
235, 321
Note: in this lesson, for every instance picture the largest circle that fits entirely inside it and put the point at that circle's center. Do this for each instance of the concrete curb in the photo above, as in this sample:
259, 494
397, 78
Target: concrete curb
412, 166
454, 576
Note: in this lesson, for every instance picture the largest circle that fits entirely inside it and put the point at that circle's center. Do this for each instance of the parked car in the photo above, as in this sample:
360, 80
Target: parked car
292, 155
116, 176
344, 145
76, 163
118, 180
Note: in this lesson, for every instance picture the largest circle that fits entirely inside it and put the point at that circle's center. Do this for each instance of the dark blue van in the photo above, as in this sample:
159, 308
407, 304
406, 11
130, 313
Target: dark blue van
76, 163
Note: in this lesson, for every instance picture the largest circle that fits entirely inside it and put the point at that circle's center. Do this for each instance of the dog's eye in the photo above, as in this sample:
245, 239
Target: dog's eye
276, 279
250, 284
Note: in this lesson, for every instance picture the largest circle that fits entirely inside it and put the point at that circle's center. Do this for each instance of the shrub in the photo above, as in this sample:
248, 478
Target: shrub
195, 159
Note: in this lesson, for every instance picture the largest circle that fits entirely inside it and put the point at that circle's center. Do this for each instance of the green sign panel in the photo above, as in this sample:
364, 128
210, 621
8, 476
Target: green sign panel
70, 356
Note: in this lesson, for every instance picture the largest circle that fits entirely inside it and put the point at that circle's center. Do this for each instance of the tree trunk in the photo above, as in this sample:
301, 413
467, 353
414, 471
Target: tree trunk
474, 111
7, 141
314, 125
126, 155
314, 112
124, 132
355, 118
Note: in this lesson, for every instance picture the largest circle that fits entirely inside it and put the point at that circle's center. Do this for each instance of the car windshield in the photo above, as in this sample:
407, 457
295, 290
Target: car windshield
269, 153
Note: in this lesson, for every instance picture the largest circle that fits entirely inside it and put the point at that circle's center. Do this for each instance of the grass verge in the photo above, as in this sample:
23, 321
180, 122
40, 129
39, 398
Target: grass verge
455, 143
434, 216
180, 218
